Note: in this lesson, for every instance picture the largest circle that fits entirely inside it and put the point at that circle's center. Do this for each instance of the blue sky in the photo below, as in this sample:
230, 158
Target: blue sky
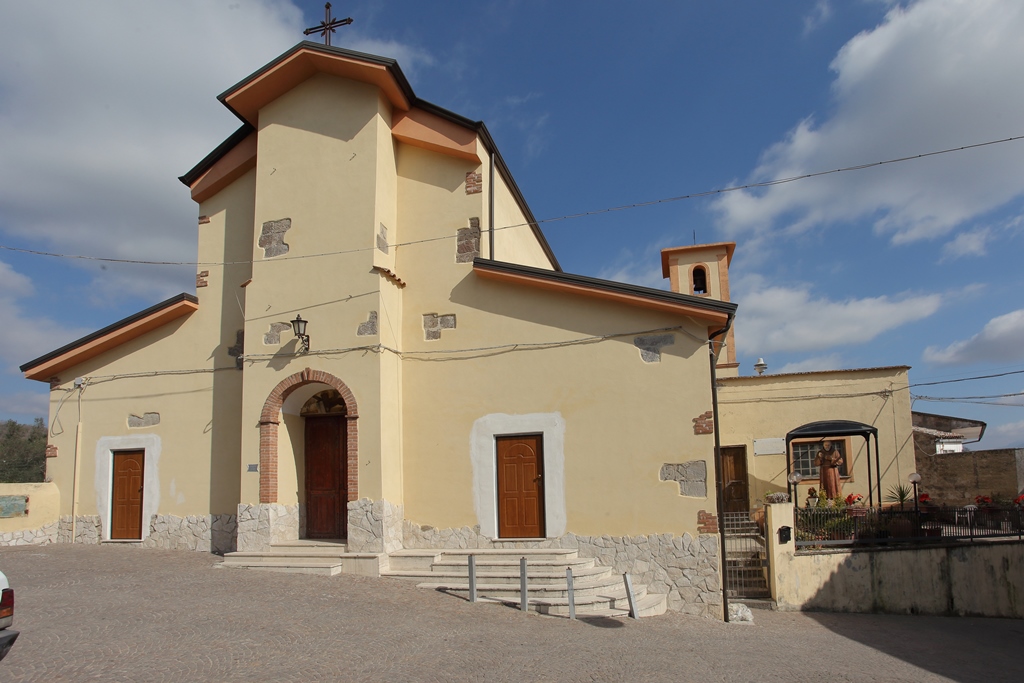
593, 105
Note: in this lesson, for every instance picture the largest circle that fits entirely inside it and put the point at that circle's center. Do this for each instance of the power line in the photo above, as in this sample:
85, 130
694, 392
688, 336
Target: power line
967, 379
583, 214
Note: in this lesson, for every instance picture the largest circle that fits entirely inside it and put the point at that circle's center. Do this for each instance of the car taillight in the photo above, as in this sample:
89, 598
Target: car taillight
7, 603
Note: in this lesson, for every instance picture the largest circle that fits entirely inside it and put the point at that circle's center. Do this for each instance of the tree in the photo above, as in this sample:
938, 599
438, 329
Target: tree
22, 452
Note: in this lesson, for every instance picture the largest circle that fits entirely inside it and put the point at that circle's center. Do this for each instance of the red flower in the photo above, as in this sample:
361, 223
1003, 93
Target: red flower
855, 498
924, 498
1019, 500
982, 500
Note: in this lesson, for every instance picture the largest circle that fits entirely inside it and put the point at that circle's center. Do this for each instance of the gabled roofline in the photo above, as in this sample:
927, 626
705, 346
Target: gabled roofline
392, 67
126, 329
634, 295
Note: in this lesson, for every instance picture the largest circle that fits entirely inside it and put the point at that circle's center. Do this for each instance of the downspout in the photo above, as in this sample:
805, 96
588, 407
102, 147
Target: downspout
719, 489
490, 211
78, 455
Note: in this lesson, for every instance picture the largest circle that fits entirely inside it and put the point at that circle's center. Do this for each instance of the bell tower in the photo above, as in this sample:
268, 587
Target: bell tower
703, 270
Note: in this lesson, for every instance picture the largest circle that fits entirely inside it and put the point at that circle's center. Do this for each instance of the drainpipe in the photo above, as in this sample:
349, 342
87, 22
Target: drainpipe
719, 489
80, 385
490, 208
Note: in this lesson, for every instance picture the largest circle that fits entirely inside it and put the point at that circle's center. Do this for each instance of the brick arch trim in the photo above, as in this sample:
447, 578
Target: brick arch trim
271, 417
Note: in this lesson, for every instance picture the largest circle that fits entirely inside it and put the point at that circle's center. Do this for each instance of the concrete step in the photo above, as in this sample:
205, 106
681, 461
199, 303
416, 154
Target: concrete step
756, 603
531, 554
414, 560
323, 567
584, 590
500, 574
613, 603
451, 563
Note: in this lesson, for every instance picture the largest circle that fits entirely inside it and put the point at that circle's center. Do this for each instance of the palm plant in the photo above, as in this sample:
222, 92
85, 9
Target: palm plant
900, 493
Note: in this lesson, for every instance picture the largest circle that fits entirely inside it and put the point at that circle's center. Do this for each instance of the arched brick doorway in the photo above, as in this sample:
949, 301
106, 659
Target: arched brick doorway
271, 417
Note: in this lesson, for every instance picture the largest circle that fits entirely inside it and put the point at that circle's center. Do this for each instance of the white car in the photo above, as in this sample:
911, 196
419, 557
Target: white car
7, 634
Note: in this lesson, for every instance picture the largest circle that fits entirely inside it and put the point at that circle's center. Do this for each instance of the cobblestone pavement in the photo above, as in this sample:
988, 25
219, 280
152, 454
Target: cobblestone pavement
127, 614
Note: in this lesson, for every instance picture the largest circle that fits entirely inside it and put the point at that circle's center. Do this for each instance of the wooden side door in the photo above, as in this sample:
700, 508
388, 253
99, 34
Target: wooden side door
326, 477
734, 477
126, 512
520, 486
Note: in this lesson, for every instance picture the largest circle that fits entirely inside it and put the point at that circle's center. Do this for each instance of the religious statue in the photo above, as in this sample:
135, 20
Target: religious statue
828, 460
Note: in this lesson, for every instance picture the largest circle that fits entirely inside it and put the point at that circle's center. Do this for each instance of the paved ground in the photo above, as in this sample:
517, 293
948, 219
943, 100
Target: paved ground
127, 614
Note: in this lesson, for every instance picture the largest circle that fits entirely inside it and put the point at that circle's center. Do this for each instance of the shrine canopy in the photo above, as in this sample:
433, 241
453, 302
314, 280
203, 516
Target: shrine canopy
828, 428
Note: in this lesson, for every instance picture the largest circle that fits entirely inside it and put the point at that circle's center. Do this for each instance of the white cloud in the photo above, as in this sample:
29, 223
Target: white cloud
28, 334
774, 318
821, 13
832, 361
410, 59
1001, 340
970, 243
933, 75
1008, 435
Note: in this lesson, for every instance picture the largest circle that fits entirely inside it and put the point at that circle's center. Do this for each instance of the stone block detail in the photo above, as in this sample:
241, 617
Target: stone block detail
434, 323
201, 278
692, 477
467, 242
474, 182
147, 420
44, 535
685, 568
704, 423
375, 526
382, 238
54, 383
203, 220
650, 346
369, 328
272, 237
88, 529
51, 450
202, 533
707, 523
272, 337
261, 524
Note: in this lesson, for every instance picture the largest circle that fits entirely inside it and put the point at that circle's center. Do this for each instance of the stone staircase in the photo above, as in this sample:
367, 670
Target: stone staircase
598, 591
324, 557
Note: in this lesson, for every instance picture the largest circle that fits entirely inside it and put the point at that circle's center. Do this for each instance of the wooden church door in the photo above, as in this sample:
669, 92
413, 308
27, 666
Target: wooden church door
520, 486
326, 477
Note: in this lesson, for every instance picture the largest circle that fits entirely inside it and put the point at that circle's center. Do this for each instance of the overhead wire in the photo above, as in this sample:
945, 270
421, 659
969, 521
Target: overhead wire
582, 214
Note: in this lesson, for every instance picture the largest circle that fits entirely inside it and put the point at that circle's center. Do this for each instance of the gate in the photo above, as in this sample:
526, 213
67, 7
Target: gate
746, 557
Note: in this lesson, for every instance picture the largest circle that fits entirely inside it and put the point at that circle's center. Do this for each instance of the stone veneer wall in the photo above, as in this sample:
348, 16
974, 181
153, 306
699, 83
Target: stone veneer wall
375, 526
684, 567
261, 524
203, 533
88, 529
42, 536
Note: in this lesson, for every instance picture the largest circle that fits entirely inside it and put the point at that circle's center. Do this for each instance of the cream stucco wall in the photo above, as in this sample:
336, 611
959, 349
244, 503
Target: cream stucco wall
43, 506
769, 406
514, 241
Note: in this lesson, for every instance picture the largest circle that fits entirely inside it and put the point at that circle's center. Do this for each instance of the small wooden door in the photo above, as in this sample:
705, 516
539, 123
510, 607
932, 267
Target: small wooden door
326, 477
126, 517
520, 486
734, 478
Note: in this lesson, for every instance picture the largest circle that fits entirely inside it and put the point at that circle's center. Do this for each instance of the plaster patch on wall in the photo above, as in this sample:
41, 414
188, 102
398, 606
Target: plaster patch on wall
201, 278
382, 238
650, 346
104, 475
483, 458
434, 323
51, 451
692, 477
369, 328
467, 243
147, 420
272, 237
273, 336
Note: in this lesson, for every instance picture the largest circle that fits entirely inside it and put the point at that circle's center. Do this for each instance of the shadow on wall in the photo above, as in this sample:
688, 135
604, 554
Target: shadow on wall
933, 582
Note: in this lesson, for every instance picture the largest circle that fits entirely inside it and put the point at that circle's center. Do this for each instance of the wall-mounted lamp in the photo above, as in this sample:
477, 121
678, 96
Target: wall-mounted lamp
760, 366
299, 328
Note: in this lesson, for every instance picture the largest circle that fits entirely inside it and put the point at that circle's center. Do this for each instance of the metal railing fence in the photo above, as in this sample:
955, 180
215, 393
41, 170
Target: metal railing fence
821, 527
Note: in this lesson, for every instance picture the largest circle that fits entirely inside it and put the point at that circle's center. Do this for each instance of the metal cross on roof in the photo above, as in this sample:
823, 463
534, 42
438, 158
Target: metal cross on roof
328, 25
